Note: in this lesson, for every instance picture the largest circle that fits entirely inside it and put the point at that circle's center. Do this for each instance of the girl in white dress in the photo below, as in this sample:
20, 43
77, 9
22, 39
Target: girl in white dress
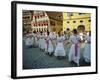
46, 42
42, 41
39, 40
74, 53
33, 38
59, 51
67, 34
87, 49
36, 39
29, 40
49, 45
37, 36
54, 38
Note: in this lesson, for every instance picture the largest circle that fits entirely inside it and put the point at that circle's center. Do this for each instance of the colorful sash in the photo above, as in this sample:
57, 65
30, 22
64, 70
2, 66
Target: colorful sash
47, 41
76, 49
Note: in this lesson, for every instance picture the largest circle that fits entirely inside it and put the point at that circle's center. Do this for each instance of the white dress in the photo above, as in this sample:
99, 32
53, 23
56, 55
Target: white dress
50, 44
74, 53
29, 41
39, 40
35, 40
42, 42
46, 43
87, 50
33, 35
60, 51
54, 38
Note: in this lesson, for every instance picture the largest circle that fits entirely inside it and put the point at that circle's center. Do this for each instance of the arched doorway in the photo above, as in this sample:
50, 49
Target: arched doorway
81, 28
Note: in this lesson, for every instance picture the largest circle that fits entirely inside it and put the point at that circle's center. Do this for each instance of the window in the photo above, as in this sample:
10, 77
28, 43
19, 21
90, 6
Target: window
89, 20
67, 21
81, 21
74, 21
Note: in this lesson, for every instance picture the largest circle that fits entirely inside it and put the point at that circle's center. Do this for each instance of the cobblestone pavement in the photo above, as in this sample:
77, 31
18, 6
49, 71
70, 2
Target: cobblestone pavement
34, 58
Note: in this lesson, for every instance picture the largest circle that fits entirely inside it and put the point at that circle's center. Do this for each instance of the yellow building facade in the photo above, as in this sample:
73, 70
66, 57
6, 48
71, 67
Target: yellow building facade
73, 20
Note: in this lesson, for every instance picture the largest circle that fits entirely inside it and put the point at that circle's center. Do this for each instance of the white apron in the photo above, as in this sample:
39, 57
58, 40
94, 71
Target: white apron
60, 51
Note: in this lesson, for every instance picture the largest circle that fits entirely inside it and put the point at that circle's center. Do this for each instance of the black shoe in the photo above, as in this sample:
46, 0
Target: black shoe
60, 57
50, 54
47, 53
